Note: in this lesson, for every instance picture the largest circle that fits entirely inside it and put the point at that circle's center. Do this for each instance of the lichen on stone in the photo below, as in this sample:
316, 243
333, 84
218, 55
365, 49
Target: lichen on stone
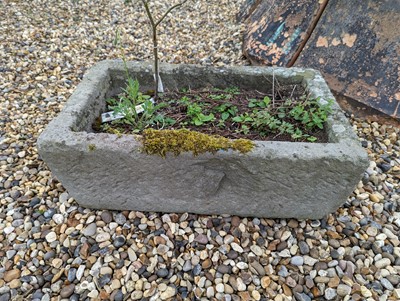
161, 142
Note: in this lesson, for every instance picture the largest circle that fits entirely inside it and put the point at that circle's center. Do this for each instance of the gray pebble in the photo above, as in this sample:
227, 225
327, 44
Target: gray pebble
120, 219
71, 274
67, 291
301, 297
283, 272
119, 296
330, 294
103, 280
304, 248
5, 297
119, 241
187, 266
386, 284
90, 230
224, 269
297, 260
106, 216
162, 273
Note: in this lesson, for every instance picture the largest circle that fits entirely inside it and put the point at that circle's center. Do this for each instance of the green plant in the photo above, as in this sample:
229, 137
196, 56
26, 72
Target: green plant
226, 110
138, 109
263, 103
311, 113
195, 112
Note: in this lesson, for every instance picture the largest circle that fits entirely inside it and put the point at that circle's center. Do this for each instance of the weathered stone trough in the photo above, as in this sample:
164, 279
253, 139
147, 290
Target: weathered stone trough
276, 179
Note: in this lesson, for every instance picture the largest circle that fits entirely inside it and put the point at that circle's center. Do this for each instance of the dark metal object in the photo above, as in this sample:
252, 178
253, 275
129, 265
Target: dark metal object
277, 31
355, 44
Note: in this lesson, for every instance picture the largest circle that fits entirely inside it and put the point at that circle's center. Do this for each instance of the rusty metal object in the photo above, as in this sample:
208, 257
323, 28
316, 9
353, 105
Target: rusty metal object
277, 30
355, 44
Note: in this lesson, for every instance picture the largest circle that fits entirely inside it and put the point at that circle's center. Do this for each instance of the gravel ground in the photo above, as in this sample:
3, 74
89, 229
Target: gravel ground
52, 249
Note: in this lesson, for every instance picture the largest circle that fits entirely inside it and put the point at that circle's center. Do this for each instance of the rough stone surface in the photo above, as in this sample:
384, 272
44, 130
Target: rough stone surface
276, 179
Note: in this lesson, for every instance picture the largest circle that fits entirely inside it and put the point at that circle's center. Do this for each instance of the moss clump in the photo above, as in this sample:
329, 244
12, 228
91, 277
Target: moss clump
92, 147
177, 141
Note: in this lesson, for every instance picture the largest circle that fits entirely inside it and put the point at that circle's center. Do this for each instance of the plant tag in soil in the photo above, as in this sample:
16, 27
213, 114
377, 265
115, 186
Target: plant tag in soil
110, 116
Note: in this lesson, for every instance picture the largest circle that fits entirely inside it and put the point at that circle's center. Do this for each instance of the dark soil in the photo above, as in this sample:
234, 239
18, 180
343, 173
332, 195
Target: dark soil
208, 98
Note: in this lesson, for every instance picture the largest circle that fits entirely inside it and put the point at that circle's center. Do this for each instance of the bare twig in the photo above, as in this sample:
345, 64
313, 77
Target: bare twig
154, 25
273, 88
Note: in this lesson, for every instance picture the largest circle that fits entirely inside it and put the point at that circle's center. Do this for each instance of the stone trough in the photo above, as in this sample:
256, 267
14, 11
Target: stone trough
276, 179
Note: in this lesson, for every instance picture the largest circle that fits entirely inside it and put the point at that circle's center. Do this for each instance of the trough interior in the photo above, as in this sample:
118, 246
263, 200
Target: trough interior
186, 78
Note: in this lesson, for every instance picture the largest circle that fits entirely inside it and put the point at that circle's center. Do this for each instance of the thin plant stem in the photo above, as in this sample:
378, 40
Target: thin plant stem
154, 25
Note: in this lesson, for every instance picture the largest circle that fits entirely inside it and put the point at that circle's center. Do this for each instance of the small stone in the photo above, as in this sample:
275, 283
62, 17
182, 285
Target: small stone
90, 230
67, 291
103, 280
304, 248
301, 297
168, 293
64, 197
382, 263
256, 295
136, 295
257, 268
106, 216
242, 265
119, 241
120, 219
5, 297
11, 275
240, 285
58, 218
236, 247
343, 290
265, 282
372, 231
256, 250
187, 266
210, 292
93, 294
102, 237
15, 283
224, 269
201, 239
374, 198
206, 264
330, 294
51, 236
71, 274
365, 292
132, 255
386, 284
220, 288
297, 260
283, 272
396, 293
162, 273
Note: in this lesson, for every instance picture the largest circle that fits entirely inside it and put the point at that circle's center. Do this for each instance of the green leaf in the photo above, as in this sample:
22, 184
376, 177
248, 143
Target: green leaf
224, 115
266, 101
197, 122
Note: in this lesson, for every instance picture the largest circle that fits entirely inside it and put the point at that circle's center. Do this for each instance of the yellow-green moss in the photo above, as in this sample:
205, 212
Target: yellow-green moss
177, 141
92, 147
114, 131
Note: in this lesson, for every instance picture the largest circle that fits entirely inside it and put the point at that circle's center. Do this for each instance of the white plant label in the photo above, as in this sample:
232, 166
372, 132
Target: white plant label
110, 116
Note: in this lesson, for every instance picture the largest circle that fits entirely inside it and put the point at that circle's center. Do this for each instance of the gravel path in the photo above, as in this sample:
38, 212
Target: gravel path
52, 249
